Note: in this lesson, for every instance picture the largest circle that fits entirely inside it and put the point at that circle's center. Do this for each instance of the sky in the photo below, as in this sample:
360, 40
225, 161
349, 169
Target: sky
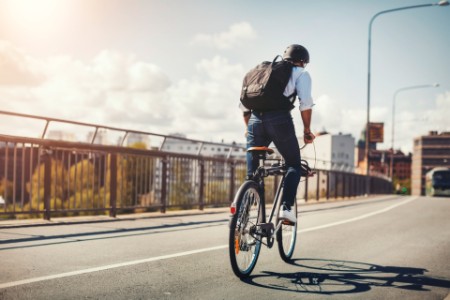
176, 66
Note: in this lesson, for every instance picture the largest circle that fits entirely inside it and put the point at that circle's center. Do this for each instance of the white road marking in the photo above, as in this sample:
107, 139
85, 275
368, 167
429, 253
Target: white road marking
186, 253
107, 267
359, 217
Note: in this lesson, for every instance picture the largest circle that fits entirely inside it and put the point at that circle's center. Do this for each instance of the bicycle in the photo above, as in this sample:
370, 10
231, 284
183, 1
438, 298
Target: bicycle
249, 226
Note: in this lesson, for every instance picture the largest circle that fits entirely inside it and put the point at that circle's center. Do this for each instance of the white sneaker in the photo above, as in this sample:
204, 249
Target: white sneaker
287, 215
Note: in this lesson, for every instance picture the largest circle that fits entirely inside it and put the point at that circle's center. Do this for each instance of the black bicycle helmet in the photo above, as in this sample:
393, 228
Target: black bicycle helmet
296, 53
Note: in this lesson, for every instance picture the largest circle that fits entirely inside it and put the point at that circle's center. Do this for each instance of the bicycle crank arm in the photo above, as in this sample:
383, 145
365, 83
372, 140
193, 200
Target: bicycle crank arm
280, 222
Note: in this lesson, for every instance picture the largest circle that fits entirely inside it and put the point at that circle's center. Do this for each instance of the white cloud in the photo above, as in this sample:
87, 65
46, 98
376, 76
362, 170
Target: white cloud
113, 89
209, 107
440, 116
331, 115
234, 36
16, 68
416, 121
116, 89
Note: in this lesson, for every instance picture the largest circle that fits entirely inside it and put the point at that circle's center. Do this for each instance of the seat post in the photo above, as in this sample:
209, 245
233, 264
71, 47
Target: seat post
262, 157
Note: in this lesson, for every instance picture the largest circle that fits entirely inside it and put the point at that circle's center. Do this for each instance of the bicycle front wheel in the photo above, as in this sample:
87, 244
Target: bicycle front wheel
286, 238
244, 244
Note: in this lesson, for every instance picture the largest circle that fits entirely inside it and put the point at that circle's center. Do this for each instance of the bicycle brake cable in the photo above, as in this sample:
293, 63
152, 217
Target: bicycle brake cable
306, 162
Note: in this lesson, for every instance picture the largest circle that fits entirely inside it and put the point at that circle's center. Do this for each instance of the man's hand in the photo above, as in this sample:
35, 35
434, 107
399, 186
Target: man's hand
308, 137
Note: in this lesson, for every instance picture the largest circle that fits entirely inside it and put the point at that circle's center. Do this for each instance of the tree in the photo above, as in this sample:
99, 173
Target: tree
35, 187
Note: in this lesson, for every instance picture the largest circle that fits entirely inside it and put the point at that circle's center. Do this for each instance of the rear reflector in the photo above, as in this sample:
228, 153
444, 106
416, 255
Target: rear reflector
233, 209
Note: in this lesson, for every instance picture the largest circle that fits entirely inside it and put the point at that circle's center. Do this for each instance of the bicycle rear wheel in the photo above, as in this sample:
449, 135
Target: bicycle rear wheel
244, 248
286, 238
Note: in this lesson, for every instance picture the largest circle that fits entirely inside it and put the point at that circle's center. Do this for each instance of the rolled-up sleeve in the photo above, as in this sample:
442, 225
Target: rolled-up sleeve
303, 86
243, 108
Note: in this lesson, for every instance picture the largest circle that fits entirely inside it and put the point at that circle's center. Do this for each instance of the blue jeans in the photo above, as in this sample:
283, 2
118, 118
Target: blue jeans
277, 127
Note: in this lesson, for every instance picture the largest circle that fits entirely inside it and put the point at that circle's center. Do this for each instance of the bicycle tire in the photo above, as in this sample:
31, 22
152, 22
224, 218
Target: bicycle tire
244, 249
287, 237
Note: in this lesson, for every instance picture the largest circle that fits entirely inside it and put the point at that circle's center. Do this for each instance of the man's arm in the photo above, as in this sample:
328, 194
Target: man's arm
247, 115
306, 115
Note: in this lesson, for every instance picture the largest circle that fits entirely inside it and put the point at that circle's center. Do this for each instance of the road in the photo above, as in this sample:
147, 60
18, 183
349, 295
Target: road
386, 247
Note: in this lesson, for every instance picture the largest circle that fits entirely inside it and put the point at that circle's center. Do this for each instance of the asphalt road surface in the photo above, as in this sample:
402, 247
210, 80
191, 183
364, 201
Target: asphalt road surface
385, 247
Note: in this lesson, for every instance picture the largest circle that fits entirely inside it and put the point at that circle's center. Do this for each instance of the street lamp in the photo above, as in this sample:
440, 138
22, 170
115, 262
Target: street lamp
391, 165
440, 3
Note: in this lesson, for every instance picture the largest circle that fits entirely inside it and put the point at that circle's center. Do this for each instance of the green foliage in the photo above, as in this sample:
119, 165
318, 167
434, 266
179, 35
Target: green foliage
401, 186
73, 188
6, 190
84, 183
138, 145
135, 179
216, 192
36, 186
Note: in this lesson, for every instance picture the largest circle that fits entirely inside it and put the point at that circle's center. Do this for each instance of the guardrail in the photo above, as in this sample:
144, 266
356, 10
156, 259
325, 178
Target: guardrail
48, 178
66, 178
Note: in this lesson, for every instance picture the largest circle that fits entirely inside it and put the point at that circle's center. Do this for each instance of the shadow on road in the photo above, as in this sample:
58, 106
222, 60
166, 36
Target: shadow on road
49, 239
330, 277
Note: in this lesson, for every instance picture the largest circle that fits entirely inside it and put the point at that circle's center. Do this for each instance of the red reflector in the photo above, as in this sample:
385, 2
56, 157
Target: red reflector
233, 209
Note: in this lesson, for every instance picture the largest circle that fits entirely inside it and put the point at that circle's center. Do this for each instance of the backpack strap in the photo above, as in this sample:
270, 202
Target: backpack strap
295, 91
276, 57
294, 94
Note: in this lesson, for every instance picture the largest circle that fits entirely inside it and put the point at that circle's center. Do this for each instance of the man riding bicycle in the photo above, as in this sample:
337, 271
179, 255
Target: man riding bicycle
276, 125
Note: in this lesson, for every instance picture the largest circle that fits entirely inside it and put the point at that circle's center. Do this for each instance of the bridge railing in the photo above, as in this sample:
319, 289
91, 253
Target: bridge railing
49, 178
65, 178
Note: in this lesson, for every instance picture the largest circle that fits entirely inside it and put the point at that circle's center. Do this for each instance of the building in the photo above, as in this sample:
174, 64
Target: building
360, 154
401, 164
189, 167
100, 137
179, 144
60, 135
331, 152
380, 163
430, 151
380, 160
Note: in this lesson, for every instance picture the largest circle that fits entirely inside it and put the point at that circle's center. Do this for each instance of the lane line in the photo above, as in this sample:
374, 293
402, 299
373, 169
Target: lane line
107, 267
359, 217
186, 253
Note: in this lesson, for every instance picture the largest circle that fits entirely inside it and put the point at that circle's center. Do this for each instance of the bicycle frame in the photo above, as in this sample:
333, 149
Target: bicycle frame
249, 226
259, 175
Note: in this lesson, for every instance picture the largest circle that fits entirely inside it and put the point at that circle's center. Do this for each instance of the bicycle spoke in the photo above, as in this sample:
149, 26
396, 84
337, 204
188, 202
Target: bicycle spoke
244, 247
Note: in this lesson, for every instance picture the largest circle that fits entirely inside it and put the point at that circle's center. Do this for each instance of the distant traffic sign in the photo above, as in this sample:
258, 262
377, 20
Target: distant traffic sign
376, 132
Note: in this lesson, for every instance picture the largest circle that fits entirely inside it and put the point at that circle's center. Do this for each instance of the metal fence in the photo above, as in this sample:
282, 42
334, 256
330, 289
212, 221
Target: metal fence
48, 178
55, 178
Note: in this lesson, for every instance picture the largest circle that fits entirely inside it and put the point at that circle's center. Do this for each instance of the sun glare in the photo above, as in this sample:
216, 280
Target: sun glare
34, 16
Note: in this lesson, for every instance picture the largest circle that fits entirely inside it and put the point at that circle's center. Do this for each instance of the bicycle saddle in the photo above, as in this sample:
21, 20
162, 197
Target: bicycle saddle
261, 148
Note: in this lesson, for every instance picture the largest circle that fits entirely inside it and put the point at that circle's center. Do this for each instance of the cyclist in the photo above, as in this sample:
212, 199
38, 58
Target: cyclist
277, 126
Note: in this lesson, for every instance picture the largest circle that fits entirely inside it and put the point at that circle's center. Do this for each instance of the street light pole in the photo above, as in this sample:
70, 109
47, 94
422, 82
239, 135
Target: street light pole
391, 165
440, 3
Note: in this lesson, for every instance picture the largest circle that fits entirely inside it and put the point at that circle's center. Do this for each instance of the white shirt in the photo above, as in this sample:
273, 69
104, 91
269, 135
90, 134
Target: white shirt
301, 81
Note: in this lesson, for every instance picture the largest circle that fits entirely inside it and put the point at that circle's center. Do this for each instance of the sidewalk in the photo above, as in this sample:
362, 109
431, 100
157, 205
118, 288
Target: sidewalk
154, 215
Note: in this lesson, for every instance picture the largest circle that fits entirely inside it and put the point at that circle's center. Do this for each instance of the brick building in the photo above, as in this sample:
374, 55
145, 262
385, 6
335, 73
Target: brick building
380, 161
430, 151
